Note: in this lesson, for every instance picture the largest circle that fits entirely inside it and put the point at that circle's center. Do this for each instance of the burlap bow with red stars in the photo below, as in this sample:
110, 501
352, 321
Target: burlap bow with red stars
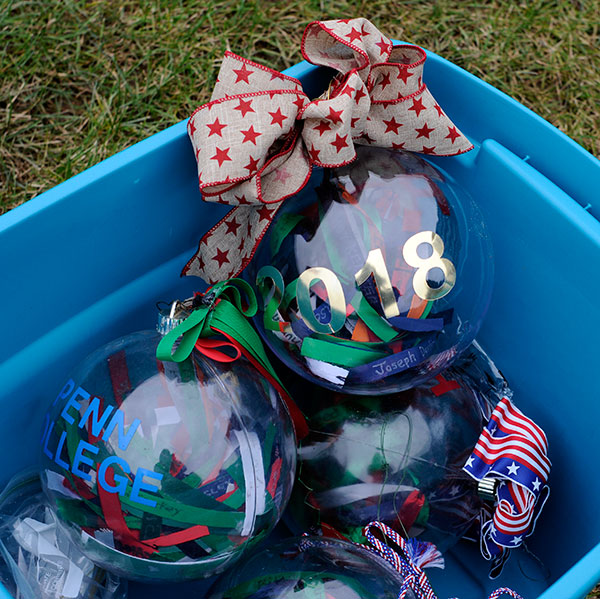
258, 138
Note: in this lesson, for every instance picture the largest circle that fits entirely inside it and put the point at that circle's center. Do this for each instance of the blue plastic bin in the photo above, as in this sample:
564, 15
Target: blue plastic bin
86, 261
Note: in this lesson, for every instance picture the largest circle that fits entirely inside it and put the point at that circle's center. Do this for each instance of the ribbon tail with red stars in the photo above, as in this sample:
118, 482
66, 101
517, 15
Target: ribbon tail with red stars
512, 450
259, 137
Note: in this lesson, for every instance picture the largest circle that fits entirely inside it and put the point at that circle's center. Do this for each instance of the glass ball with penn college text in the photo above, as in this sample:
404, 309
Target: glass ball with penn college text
376, 276
163, 471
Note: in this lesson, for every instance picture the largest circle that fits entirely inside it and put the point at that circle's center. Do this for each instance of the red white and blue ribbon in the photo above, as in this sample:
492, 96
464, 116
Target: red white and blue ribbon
406, 563
513, 450
413, 557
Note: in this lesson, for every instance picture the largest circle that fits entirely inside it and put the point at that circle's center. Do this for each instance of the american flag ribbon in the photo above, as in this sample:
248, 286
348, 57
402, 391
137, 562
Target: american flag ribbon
513, 450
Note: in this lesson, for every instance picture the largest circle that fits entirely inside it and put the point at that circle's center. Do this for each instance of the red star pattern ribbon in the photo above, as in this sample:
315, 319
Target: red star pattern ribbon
258, 138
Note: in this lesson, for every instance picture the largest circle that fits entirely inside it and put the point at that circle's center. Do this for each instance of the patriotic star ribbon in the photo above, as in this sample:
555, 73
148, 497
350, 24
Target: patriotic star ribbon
409, 557
259, 137
513, 450
406, 556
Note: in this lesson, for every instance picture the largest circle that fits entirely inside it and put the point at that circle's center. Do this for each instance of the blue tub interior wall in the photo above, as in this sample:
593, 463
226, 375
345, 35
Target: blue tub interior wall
87, 261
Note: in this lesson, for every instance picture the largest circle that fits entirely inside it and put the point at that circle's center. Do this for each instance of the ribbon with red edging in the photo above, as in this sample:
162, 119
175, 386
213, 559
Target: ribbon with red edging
259, 137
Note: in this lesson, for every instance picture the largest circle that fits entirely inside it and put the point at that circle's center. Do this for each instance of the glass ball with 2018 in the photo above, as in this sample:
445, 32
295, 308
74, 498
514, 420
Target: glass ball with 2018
376, 276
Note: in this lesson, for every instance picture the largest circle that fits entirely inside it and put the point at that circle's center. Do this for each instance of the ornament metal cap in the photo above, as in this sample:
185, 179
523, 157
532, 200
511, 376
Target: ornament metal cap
169, 319
486, 489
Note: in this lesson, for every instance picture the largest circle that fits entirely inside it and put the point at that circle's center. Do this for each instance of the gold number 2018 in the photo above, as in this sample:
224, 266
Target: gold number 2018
374, 265
424, 265
335, 295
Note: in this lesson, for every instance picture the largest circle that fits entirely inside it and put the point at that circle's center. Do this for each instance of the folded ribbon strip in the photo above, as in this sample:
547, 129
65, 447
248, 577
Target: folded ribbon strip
513, 450
258, 138
223, 313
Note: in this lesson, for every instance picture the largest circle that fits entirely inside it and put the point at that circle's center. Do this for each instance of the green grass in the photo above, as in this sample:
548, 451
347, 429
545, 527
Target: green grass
81, 80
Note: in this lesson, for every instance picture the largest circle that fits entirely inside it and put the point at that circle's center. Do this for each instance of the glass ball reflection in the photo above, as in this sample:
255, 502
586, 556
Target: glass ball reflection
397, 459
311, 567
38, 559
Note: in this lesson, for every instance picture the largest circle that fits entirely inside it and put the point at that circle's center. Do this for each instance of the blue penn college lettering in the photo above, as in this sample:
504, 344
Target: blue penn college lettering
102, 424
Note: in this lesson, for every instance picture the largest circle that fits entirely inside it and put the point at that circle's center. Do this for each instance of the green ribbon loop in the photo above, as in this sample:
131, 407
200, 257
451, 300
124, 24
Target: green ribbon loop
228, 319
371, 318
233, 289
225, 314
271, 306
340, 352
189, 330
198, 323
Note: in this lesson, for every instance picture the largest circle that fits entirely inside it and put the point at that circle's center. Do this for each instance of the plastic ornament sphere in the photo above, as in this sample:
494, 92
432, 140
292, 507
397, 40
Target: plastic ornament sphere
314, 567
397, 459
164, 471
376, 276
38, 558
